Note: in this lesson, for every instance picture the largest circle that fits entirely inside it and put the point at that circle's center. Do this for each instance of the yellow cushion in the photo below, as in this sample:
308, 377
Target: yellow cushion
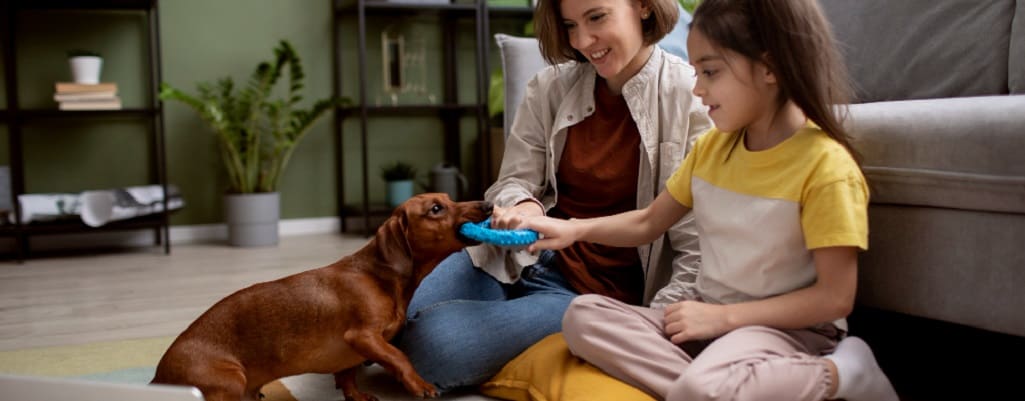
547, 371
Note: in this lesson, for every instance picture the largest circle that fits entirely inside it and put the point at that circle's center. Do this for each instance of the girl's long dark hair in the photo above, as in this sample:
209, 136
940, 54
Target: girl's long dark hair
796, 42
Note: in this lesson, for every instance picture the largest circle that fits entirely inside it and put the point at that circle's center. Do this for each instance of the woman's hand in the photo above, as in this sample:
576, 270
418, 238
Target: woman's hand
510, 218
694, 320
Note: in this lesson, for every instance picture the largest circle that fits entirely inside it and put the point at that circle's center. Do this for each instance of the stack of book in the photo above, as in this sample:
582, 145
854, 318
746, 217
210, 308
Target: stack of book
76, 96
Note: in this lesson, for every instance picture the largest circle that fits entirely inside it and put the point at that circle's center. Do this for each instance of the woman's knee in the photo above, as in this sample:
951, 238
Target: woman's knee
450, 348
454, 278
434, 349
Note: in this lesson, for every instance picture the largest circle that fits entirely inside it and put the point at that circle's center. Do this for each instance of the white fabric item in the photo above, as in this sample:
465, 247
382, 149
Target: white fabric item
98, 207
47, 207
102, 207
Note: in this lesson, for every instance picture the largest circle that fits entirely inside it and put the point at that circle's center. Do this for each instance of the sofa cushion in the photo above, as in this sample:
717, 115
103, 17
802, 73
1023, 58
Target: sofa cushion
1016, 68
547, 371
961, 153
521, 59
917, 49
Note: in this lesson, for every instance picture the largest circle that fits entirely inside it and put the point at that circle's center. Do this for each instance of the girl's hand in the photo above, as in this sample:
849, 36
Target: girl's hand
509, 218
693, 320
555, 233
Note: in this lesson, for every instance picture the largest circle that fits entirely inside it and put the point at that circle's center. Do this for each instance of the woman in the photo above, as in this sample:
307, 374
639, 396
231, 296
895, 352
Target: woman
599, 132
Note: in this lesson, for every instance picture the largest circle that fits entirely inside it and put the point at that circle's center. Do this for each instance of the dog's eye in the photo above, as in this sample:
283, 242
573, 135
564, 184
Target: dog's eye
436, 209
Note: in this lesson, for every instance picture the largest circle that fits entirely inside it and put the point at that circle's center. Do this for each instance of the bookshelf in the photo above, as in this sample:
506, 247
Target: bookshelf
17, 119
448, 107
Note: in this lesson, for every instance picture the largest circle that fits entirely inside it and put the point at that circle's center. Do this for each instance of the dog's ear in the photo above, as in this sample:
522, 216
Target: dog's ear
392, 235
403, 221
400, 218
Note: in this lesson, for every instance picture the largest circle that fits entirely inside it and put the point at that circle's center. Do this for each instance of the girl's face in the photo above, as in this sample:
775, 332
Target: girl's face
608, 33
738, 91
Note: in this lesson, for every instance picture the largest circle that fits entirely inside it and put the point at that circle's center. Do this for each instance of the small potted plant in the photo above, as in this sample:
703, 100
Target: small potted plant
399, 177
85, 66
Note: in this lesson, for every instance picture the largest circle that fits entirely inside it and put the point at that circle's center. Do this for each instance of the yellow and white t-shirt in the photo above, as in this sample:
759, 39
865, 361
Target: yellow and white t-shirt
759, 214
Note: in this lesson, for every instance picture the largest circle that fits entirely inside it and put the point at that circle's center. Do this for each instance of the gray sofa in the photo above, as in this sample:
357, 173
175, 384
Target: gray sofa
940, 122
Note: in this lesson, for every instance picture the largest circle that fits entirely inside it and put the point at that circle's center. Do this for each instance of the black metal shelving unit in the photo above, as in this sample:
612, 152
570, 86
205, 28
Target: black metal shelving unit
16, 118
449, 111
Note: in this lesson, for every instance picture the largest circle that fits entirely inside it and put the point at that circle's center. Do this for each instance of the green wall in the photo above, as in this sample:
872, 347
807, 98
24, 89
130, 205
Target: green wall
203, 40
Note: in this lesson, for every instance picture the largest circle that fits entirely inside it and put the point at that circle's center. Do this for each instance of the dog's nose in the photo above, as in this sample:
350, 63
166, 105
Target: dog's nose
487, 207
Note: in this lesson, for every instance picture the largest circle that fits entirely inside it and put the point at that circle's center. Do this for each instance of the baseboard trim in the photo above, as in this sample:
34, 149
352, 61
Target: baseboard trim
286, 228
185, 234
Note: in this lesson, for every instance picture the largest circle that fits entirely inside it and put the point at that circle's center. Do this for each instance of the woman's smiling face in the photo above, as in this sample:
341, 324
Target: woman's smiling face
608, 33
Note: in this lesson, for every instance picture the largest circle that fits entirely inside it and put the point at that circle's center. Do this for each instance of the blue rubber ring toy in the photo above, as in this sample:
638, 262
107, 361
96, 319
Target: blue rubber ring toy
484, 233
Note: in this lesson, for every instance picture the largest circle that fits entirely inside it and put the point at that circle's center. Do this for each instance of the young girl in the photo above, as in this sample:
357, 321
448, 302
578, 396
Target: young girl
780, 204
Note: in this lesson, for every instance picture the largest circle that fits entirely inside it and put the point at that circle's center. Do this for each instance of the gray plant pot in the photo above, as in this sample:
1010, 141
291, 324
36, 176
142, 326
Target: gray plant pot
252, 218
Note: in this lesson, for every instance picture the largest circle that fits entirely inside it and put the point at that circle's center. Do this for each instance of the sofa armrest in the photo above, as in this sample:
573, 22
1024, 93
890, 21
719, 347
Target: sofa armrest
960, 153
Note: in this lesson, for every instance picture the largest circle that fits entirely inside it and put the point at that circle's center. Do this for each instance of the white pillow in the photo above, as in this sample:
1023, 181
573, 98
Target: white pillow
521, 59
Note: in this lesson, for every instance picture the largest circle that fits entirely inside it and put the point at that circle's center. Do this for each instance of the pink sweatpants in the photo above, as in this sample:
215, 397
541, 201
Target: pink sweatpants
750, 363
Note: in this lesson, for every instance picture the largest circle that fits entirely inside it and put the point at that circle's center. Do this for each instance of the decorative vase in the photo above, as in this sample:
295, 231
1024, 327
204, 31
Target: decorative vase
447, 178
252, 218
399, 191
86, 69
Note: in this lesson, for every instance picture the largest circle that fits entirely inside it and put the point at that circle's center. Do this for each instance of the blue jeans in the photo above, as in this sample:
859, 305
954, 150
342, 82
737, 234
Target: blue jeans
463, 325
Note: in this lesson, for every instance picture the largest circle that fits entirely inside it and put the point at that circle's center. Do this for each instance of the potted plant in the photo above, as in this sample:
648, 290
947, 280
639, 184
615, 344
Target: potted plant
689, 5
399, 177
257, 136
85, 66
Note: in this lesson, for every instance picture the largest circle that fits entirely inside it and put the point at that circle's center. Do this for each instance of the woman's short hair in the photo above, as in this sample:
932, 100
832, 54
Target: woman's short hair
554, 39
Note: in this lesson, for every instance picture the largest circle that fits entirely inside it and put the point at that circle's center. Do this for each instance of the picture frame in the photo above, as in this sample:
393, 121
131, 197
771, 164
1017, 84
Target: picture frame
392, 60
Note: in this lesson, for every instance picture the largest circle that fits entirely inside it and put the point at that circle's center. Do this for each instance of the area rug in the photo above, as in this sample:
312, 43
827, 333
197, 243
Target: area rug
134, 361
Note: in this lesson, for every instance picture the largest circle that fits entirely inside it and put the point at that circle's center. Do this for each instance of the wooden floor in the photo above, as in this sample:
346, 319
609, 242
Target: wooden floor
140, 294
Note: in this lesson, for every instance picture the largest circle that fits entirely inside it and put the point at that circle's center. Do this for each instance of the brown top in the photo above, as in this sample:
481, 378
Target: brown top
597, 176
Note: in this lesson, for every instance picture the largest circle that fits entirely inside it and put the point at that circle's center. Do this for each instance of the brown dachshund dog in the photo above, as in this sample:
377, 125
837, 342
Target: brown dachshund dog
326, 320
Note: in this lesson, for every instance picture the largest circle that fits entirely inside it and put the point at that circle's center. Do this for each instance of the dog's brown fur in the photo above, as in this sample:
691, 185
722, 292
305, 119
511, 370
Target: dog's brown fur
326, 320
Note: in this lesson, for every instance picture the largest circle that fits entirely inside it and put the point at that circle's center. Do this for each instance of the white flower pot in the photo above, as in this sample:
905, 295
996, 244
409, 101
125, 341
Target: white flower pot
86, 69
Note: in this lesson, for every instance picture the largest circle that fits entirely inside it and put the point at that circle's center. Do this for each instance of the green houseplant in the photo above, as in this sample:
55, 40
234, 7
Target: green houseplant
399, 177
689, 5
257, 135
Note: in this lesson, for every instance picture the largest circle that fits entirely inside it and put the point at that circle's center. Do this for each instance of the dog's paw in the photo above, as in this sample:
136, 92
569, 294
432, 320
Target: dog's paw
431, 393
360, 396
420, 388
